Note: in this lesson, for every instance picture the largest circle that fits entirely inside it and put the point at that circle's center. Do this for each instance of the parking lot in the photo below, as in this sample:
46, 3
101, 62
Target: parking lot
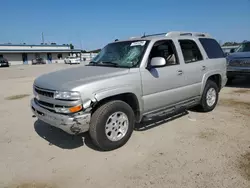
191, 150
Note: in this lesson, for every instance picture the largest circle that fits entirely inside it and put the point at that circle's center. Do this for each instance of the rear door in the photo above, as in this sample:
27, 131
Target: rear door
193, 67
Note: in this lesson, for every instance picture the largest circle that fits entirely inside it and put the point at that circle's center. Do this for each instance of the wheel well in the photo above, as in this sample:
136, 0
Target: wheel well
128, 98
217, 79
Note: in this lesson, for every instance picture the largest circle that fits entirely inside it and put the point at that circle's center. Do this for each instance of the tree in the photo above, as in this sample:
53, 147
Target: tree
71, 46
231, 44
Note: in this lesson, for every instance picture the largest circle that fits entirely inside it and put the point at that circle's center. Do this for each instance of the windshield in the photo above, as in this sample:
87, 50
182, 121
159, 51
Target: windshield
126, 54
245, 47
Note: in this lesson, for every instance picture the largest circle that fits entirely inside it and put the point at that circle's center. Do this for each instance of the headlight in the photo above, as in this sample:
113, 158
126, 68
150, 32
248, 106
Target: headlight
70, 95
68, 110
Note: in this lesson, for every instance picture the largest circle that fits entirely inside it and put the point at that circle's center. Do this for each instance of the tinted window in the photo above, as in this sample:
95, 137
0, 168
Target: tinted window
190, 51
212, 48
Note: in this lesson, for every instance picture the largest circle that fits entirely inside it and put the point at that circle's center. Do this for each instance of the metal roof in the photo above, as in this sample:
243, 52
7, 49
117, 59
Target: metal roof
38, 51
42, 45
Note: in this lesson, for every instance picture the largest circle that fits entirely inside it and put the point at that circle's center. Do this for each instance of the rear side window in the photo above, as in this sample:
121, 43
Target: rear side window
191, 52
212, 48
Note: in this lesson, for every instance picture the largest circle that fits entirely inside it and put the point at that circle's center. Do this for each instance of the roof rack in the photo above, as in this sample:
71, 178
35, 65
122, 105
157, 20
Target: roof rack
157, 34
181, 33
178, 33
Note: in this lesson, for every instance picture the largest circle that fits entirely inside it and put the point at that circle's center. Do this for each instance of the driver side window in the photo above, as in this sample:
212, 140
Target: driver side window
165, 49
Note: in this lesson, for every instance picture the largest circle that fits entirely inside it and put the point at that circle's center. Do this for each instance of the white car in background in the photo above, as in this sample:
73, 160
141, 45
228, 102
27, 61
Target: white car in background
72, 60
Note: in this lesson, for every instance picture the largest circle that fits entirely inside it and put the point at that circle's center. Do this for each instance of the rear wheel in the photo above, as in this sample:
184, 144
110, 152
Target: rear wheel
112, 125
209, 97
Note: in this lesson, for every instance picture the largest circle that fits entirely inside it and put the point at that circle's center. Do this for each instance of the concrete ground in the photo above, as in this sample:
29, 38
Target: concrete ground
194, 150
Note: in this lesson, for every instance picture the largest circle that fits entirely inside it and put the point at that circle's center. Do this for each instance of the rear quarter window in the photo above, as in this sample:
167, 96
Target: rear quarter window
212, 48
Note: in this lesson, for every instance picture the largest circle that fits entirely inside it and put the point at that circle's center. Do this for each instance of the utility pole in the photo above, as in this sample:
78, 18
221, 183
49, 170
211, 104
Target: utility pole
42, 38
81, 44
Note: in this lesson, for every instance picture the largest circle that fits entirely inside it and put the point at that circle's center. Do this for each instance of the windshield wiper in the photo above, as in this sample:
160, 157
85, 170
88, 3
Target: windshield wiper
109, 63
103, 63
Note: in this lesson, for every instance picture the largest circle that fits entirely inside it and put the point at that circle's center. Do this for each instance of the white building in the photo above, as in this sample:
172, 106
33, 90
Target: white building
25, 54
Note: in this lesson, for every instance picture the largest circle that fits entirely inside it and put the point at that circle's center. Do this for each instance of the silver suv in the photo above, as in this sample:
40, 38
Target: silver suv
131, 81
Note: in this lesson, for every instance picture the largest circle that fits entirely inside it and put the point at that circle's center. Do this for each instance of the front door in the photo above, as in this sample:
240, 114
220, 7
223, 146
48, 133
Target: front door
25, 58
163, 86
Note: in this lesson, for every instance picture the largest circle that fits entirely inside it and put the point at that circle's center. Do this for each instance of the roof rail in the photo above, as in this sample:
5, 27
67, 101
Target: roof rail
178, 33
133, 37
156, 34
181, 33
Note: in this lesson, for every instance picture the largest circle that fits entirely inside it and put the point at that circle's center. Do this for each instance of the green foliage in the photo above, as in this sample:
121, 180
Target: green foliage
91, 51
71, 46
233, 43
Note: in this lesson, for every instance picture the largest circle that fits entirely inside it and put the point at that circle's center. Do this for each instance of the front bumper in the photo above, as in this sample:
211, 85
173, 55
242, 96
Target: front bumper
70, 124
237, 71
4, 64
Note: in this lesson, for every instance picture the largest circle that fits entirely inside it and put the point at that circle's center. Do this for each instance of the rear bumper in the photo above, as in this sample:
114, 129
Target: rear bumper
70, 124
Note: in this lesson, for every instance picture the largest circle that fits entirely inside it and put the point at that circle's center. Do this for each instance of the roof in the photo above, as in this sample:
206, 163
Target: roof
170, 35
38, 51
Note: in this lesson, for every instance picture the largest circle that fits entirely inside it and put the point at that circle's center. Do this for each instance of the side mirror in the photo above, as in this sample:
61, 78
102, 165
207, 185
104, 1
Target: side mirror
232, 50
157, 62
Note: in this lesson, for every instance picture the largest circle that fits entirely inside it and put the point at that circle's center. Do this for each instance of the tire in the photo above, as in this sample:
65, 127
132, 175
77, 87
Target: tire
205, 106
98, 128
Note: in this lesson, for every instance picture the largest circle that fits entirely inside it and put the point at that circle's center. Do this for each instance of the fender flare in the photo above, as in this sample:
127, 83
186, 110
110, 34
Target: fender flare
125, 89
206, 76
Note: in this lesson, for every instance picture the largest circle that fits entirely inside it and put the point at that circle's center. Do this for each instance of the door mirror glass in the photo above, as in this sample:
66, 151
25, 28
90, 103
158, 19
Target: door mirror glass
232, 50
157, 62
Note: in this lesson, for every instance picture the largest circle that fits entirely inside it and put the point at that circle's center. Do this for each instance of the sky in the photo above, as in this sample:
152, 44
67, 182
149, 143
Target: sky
91, 24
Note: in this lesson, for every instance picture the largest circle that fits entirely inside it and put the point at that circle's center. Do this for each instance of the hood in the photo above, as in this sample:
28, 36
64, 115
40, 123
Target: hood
66, 79
237, 55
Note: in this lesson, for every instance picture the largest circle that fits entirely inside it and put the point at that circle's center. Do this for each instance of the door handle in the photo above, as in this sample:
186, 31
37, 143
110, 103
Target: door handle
180, 72
203, 67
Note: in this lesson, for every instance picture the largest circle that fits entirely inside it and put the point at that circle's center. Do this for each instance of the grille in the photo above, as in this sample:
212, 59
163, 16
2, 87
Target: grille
49, 106
240, 63
44, 92
44, 104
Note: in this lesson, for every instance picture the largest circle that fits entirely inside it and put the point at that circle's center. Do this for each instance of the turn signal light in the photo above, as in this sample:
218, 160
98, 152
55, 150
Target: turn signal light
75, 109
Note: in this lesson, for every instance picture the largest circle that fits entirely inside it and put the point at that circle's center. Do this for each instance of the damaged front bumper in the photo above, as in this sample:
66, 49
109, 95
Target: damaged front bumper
70, 124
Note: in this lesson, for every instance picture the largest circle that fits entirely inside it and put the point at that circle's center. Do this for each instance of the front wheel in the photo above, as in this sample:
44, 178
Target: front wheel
112, 125
209, 97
